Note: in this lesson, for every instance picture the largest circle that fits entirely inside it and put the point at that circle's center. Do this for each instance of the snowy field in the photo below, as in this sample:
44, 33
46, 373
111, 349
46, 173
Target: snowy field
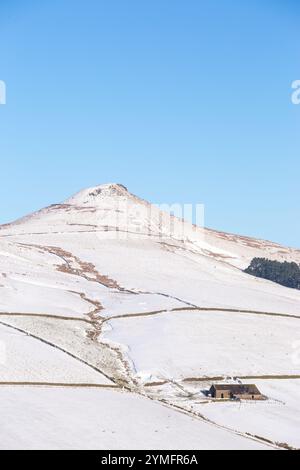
25, 359
278, 419
102, 419
198, 344
71, 336
41, 282
148, 265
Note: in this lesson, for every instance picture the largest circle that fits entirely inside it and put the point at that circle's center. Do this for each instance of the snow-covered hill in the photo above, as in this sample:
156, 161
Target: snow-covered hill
117, 294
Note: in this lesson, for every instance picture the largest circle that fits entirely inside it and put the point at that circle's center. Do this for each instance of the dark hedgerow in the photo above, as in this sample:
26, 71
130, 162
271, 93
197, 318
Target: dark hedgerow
286, 274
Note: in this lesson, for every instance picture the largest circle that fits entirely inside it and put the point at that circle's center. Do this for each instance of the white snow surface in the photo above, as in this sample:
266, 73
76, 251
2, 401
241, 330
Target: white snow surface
177, 345
101, 419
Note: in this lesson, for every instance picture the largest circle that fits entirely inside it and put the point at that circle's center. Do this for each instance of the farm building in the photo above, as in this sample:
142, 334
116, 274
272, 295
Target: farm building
236, 392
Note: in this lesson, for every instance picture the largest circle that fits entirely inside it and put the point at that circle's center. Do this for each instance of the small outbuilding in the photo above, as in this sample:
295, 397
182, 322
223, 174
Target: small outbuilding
235, 392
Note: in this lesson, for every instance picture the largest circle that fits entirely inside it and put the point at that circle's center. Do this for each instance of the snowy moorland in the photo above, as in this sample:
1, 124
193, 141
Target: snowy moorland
115, 318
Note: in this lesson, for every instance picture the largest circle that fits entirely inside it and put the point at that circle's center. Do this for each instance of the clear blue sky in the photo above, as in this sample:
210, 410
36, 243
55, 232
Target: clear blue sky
181, 101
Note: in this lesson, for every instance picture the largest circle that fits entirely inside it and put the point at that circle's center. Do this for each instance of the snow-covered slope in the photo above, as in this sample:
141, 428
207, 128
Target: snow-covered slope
134, 295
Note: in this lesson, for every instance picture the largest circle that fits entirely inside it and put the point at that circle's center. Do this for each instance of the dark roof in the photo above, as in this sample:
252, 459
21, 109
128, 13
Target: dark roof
239, 389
